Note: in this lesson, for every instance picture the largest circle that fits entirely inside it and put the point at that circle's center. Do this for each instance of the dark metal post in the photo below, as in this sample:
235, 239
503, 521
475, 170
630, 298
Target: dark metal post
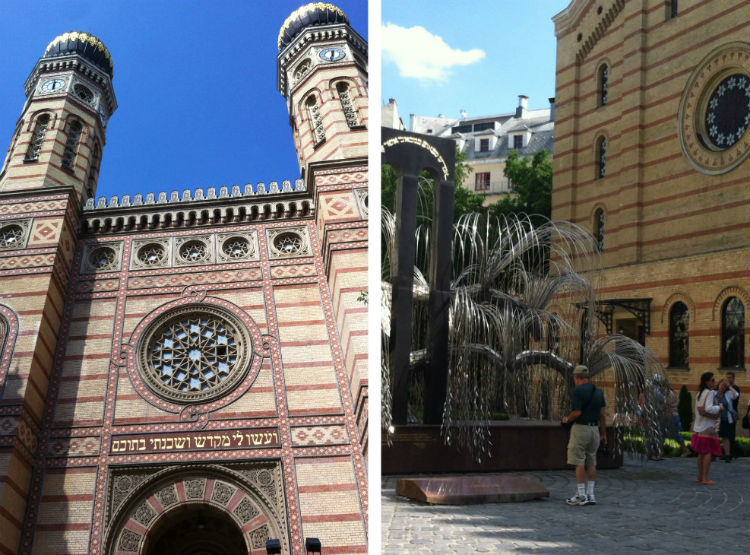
409, 154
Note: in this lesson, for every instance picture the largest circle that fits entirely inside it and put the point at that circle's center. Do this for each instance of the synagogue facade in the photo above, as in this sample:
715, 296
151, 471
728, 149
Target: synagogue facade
652, 156
186, 369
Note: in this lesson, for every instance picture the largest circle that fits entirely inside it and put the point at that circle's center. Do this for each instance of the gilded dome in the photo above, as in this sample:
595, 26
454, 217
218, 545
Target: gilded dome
309, 15
83, 44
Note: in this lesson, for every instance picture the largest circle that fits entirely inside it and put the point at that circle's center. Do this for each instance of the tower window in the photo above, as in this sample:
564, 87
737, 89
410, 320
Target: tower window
603, 85
599, 229
482, 181
71, 145
93, 170
347, 104
679, 320
733, 334
316, 122
671, 9
37, 140
601, 158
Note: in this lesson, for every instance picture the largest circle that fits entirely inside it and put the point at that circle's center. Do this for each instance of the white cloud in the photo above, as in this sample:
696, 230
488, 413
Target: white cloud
421, 55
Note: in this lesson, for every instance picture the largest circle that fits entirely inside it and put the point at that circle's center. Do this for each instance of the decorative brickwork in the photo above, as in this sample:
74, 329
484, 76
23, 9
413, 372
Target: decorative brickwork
168, 351
677, 148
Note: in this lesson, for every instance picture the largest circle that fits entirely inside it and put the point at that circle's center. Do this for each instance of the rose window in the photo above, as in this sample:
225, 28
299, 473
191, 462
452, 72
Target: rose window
194, 251
11, 236
288, 243
102, 258
195, 354
236, 247
728, 111
152, 254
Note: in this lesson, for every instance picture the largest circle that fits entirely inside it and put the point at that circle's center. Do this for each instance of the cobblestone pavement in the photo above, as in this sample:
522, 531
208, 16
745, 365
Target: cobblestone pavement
644, 507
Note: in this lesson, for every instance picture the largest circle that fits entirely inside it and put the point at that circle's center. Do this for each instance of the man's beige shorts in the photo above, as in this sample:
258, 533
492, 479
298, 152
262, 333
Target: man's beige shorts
582, 446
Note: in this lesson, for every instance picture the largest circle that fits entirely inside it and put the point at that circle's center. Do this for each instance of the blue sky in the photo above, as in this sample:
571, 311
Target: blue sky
195, 82
491, 51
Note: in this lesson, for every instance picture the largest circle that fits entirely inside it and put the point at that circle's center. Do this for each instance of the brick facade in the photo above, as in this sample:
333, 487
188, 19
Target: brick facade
676, 228
93, 458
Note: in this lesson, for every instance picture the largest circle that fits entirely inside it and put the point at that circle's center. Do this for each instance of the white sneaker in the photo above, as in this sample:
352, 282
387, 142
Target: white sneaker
590, 500
577, 500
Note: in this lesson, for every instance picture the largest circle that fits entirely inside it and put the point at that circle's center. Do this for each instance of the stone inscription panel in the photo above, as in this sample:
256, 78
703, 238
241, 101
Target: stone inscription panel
195, 441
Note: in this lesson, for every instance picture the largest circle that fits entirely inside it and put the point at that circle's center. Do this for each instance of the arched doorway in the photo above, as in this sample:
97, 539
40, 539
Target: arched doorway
195, 529
196, 509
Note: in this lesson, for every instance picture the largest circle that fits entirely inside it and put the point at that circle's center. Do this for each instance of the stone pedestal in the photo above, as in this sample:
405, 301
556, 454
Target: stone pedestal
516, 445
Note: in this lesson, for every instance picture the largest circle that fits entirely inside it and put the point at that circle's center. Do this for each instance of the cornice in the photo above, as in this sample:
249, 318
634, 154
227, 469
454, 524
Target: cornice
198, 210
76, 63
339, 31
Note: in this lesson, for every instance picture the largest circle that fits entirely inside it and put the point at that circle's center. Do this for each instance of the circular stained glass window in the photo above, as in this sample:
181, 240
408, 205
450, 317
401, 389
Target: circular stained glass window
152, 254
11, 236
288, 243
195, 354
194, 251
103, 258
236, 247
728, 111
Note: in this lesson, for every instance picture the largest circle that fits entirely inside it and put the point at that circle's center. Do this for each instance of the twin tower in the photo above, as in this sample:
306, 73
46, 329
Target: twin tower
59, 138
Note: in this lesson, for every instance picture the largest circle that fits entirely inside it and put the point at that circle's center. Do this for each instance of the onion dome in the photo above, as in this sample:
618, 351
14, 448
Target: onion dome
309, 15
85, 45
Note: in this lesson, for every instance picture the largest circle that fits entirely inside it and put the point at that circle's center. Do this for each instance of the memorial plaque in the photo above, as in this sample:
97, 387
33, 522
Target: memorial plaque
471, 490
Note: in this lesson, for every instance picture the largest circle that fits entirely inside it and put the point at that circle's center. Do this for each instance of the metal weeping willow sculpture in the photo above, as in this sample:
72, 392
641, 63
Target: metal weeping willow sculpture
521, 312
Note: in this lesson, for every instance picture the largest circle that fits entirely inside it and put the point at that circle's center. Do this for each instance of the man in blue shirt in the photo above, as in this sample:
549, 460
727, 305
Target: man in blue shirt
589, 428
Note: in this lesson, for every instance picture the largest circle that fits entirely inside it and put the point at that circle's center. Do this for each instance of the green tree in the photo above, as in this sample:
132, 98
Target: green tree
532, 178
685, 408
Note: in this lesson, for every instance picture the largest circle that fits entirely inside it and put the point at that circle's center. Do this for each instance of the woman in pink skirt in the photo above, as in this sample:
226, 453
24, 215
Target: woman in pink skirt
705, 440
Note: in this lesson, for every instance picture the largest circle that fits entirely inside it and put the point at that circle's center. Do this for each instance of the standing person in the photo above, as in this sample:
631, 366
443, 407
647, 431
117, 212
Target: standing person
589, 428
671, 424
705, 440
725, 397
736, 404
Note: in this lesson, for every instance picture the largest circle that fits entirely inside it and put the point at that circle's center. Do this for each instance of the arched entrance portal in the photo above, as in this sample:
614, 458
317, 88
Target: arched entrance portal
196, 509
196, 529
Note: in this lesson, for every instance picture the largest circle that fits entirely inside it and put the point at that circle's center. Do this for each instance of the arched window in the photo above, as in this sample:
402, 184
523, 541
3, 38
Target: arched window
347, 104
599, 229
37, 139
603, 85
601, 157
96, 154
733, 334
316, 122
679, 325
71, 145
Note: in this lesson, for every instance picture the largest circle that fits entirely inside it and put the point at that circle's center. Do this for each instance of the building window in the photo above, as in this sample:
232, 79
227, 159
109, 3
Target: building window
71, 145
603, 85
194, 353
482, 181
671, 9
733, 334
316, 122
599, 229
601, 158
679, 320
37, 139
347, 105
96, 155
517, 142
484, 145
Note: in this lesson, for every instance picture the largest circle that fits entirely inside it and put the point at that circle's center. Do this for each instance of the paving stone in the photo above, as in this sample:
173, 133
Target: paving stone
643, 507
